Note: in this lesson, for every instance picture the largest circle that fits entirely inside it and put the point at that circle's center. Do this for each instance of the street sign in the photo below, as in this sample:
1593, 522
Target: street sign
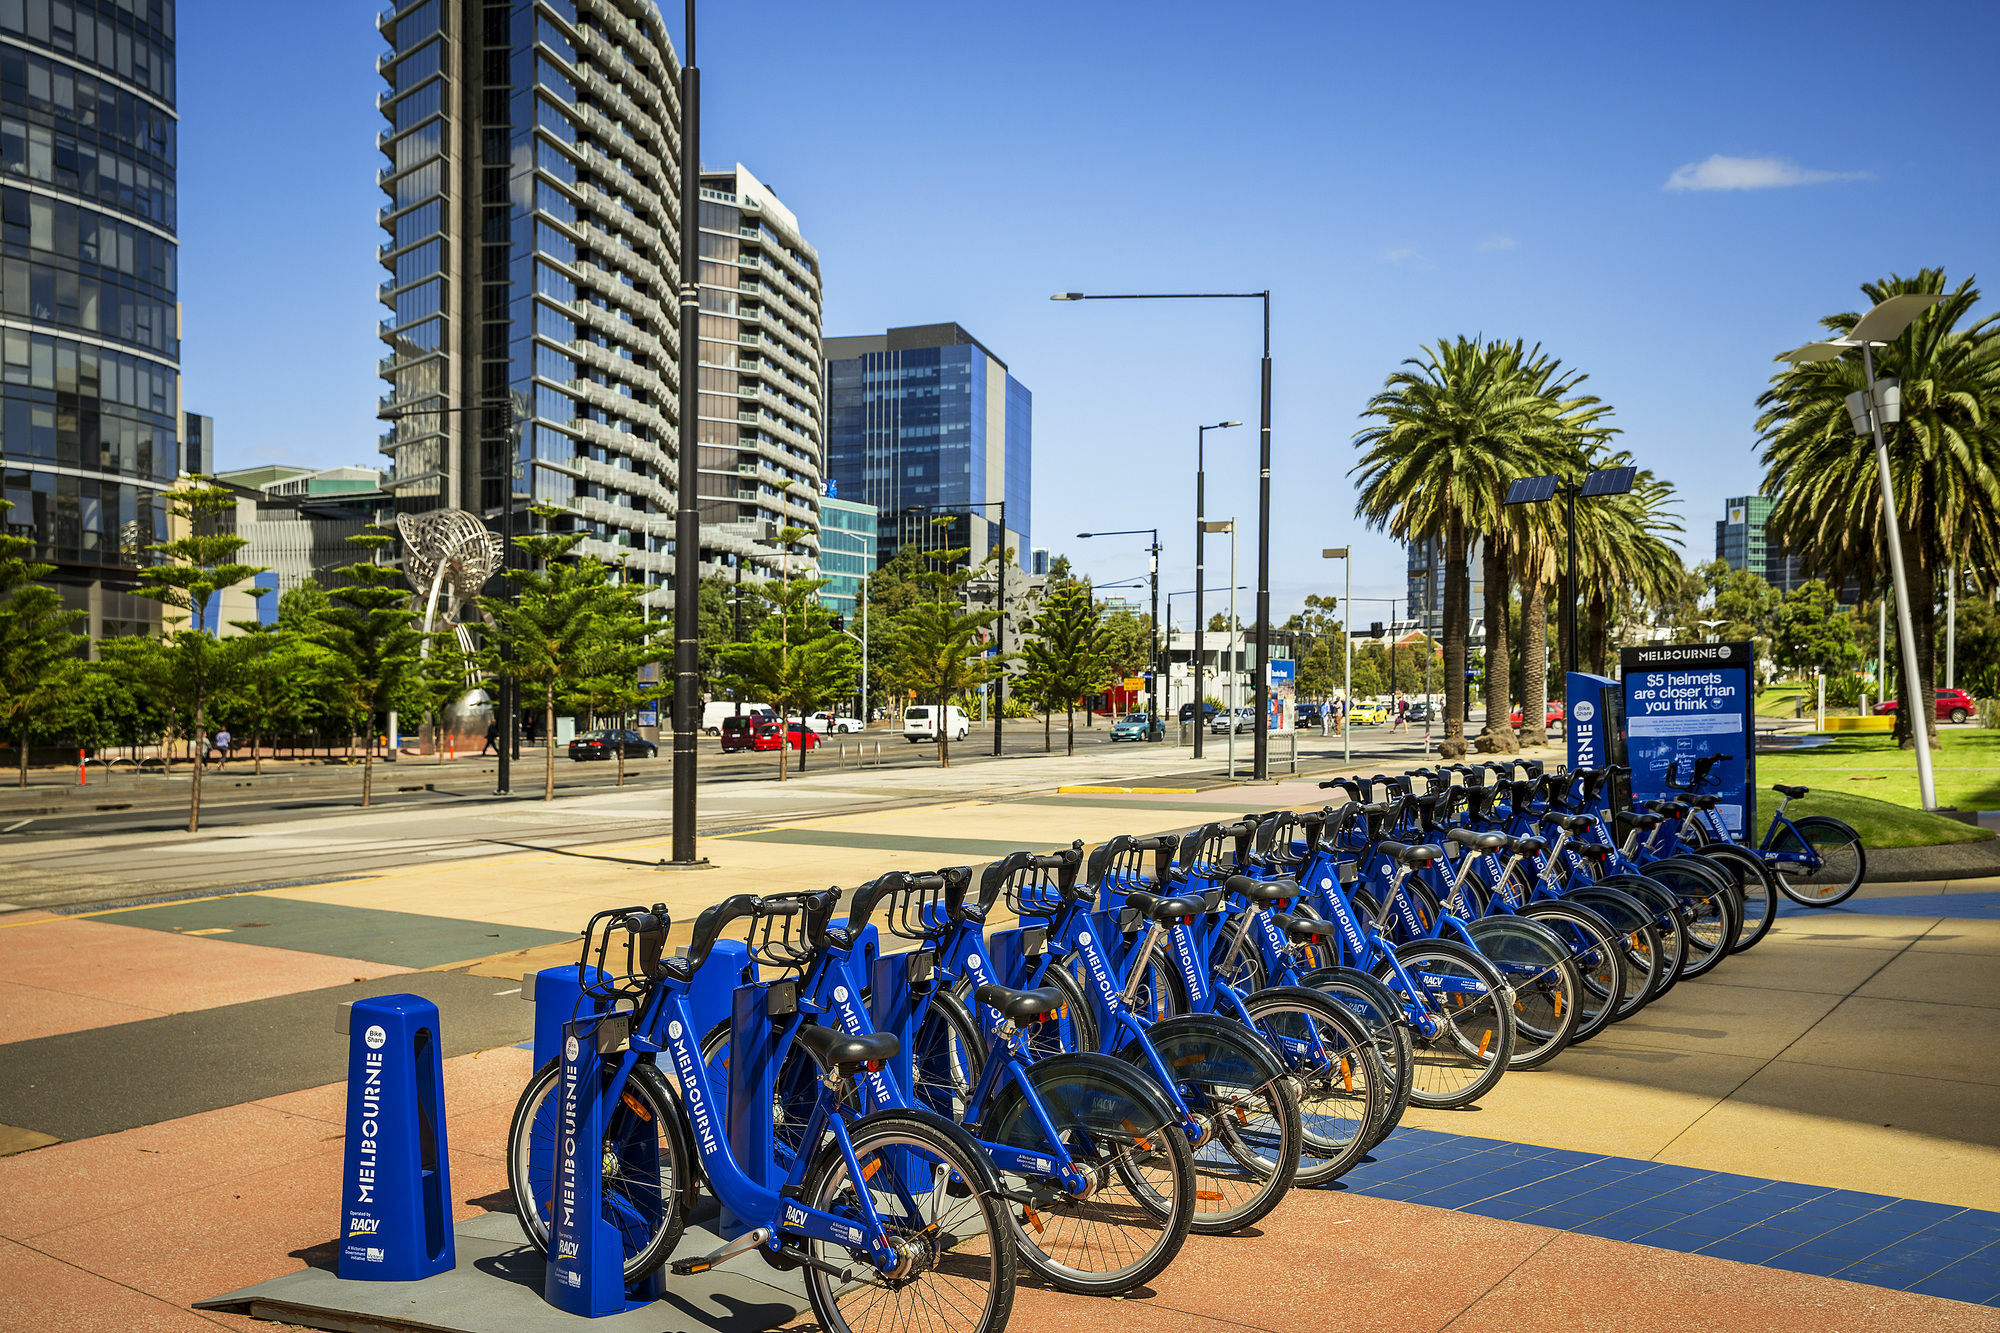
1684, 702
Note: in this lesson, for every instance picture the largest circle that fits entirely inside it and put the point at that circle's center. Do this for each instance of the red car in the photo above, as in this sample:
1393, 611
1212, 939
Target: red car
1553, 715
760, 732
1952, 706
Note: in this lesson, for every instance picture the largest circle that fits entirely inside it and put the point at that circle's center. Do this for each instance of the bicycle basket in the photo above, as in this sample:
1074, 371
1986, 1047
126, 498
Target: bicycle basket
623, 945
790, 928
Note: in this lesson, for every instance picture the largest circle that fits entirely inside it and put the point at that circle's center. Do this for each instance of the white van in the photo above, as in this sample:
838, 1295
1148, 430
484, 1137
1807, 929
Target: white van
920, 723
713, 713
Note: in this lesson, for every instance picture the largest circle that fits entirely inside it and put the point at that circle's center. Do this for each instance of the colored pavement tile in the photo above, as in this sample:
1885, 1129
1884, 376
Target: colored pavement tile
403, 939
889, 842
1875, 1239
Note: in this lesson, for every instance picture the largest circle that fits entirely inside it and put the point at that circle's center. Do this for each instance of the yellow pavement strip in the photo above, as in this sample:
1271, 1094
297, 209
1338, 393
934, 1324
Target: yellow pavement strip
13, 1140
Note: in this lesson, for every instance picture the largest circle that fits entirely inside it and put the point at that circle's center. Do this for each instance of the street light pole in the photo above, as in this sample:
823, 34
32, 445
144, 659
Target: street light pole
1228, 525
1153, 577
1200, 568
687, 506
1345, 555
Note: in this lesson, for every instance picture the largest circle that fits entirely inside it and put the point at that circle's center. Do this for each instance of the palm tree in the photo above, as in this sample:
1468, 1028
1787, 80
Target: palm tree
1623, 556
1451, 438
1944, 455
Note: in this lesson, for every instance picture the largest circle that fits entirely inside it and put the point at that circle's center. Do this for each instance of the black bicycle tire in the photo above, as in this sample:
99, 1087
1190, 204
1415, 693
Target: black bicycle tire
1502, 1043
1339, 1158
1860, 863
1604, 940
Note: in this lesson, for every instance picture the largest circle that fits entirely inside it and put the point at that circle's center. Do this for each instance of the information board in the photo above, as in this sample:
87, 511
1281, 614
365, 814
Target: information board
1684, 702
1593, 720
1284, 681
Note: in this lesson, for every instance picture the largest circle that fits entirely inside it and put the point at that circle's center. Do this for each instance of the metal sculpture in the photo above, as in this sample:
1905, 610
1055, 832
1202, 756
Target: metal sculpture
447, 551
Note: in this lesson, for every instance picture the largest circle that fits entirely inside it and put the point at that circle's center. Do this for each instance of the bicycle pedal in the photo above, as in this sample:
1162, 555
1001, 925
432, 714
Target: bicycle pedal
743, 1244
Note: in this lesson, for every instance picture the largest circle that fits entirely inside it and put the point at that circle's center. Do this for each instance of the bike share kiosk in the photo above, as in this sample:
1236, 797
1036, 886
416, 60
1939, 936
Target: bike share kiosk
1690, 701
395, 1194
1593, 720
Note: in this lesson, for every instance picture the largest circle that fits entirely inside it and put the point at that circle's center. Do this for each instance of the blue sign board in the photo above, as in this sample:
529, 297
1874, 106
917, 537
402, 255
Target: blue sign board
1591, 715
1684, 702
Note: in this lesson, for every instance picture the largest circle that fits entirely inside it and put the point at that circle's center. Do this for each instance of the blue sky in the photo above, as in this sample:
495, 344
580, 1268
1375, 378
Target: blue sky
1664, 197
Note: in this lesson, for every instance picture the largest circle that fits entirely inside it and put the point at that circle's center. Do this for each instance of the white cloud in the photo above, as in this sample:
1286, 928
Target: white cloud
1752, 173
1493, 244
1405, 255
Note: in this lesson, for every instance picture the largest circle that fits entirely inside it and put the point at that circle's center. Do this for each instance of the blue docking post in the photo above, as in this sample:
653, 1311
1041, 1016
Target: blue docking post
395, 1196
557, 999
747, 1116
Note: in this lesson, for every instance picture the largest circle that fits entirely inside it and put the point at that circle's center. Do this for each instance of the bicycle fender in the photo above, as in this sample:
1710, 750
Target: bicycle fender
989, 1179
1268, 1066
1129, 1080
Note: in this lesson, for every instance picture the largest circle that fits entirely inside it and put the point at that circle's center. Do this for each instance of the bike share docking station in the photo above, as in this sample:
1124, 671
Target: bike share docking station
401, 1264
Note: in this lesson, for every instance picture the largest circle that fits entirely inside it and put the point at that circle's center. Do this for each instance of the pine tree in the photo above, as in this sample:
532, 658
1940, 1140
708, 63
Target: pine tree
38, 653
370, 630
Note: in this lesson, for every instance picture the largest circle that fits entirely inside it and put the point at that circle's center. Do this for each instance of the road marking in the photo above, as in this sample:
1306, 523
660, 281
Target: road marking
211, 930
515, 991
19, 823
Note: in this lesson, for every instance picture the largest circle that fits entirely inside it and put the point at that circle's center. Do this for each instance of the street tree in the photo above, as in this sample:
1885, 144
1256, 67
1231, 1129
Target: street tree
1071, 652
1944, 459
1813, 632
188, 576
371, 631
797, 661
38, 653
936, 649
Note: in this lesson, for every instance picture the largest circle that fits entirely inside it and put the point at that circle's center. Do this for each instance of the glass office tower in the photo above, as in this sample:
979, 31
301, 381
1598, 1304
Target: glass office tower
89, 320
926, 416
532, 233
847, 538
1742, 543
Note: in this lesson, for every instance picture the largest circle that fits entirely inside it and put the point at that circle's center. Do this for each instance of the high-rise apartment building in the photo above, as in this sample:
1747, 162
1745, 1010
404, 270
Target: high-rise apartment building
926, 417
1424, 590
1741, 543
90, 403
762, 416
532, 247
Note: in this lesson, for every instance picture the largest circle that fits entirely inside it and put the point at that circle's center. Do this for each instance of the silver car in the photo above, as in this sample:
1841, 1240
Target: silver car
1244, 719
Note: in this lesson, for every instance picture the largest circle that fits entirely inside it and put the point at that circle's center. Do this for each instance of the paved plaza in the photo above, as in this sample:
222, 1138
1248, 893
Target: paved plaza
1808, 1138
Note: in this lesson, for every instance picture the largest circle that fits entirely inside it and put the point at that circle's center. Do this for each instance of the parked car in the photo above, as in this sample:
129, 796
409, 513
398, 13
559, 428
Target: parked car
1552, 714
1208, 710
1137, 727
1308, 715
763, 732
605, 745
921, 723
1367, 714
825, 722
1245, 719
1952, 706
712, 714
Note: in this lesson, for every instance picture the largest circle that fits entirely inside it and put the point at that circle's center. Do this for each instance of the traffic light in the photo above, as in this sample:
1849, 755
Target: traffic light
840, 624
1374, 629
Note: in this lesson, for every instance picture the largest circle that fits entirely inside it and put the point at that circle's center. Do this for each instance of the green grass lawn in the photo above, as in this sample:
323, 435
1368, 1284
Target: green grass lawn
1778, 700
1867, 781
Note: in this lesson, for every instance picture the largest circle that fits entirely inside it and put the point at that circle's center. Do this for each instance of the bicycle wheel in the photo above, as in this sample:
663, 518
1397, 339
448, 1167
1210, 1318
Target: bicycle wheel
956, 1267
1639, 945
1537, 969
1664, 911
1140, 1198
1714, 909
1246, 973
946, 1054
1246, 1117
1842, 861
644, 1174
1600, 963
1333, 1070
1464, 1001
1159, 997
1756, 883
1382, 1014
794, 1089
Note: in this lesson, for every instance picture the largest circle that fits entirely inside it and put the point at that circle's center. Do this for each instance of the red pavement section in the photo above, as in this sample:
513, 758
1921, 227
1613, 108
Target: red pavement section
125, 1231
65, 974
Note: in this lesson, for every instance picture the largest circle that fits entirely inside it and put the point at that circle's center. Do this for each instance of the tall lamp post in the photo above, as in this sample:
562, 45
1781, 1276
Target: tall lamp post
1196, 668
687, 507
1261, 746
1346, 558
1534, 490
1200, 565
1000, 624
1153, 577
1870, 409
1228, 525
516, 405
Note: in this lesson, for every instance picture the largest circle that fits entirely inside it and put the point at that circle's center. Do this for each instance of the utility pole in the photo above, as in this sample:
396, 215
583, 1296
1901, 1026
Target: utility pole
687, 505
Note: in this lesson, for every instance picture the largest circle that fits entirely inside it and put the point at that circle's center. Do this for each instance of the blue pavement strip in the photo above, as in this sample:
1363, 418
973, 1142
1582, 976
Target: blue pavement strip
1934, 1249
1981, 905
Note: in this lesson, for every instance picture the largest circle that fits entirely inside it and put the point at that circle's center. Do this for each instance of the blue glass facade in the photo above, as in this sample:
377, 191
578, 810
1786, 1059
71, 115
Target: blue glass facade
89, 351
926, 416
847, 547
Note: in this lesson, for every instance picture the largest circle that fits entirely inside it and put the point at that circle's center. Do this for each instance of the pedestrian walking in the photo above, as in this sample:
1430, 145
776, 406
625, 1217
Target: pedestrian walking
1402, 714
1340, 718
1326, 718
492, 738
223, 741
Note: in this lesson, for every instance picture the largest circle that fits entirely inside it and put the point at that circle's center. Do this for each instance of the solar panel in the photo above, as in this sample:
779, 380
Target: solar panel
1608, 481
1532, 490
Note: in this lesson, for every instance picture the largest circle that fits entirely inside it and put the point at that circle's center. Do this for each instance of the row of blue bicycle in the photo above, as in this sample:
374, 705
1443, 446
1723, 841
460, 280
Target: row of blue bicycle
1077, 1061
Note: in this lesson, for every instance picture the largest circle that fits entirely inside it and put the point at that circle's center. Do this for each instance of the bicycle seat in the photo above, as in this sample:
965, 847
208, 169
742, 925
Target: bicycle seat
1667, 807
1019, 1005
835, 1049
1413, 856
1567, 823
1635, 819
1528, 846
1702, 802
1791, 793
1472, 838
1303, 926
1165, 908
1597, 851
1263, 890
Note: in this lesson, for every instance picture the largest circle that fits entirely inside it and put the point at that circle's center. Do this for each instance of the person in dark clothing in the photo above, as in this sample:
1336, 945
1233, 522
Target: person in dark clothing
492, 738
